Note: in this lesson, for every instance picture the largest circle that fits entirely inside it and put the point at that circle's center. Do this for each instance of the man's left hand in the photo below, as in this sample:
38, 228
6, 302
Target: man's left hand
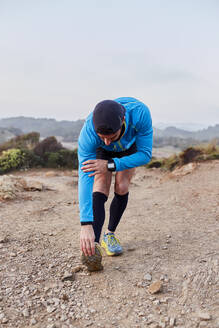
96, 165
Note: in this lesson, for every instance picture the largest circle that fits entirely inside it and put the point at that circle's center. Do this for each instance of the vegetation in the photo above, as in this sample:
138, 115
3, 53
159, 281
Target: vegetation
191, 154
26, 141
28, 152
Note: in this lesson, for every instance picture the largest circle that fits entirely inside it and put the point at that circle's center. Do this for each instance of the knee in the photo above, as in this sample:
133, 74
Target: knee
101, 184
122, 187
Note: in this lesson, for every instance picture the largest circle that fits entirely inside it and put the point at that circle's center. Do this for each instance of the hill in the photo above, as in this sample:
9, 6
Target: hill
8, 133
69, 130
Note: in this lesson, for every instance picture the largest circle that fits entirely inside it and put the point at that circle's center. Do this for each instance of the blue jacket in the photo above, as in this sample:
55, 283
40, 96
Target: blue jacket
138, 129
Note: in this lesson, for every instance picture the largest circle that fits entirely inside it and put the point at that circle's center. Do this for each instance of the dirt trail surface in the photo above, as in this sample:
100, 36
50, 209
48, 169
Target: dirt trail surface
170, 233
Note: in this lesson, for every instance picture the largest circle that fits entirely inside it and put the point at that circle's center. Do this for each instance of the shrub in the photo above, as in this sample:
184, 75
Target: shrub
11, 159
63, 158
190, 154
47, 145
24, 141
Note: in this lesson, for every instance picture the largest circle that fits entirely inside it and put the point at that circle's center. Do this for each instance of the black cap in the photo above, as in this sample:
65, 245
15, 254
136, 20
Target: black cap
108, 117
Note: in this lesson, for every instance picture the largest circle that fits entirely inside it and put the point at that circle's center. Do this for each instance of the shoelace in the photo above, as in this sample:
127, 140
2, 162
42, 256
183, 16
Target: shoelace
112, 240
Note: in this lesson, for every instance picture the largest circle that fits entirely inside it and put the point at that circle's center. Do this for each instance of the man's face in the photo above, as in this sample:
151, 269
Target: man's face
107, 139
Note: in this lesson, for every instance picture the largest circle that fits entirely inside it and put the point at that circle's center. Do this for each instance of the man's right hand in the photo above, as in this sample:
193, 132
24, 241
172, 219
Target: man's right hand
87, 238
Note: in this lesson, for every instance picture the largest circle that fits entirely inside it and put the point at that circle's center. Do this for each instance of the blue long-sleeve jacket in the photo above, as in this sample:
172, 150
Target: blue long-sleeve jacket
138, 128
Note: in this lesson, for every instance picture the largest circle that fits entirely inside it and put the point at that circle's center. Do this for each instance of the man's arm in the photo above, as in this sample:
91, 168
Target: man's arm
144, 142
87, 145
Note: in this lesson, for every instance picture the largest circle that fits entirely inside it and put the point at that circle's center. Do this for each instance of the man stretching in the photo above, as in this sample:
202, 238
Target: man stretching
116, 136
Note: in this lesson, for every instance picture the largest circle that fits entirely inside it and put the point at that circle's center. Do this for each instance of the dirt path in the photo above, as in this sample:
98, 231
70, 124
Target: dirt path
170, 232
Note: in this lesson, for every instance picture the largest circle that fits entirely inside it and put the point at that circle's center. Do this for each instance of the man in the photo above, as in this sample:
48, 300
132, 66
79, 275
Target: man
117, 136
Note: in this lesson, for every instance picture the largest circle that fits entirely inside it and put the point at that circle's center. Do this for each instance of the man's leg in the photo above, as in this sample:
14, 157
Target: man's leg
120, 200
101, 189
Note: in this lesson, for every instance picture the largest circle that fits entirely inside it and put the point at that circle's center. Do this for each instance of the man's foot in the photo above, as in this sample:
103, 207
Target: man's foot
93, 262
111, 244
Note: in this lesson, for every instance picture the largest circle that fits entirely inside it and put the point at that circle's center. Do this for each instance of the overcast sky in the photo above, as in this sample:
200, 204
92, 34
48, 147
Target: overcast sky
58, 58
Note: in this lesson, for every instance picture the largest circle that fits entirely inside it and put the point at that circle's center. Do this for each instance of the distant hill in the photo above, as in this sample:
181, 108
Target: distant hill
8, 133
69, 131
201, 135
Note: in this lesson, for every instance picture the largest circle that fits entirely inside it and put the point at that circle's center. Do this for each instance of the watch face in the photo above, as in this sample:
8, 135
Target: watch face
111, 165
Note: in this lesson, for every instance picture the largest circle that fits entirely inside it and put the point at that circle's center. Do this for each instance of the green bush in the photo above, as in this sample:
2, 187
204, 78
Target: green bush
63, 158
191, 154
11, 159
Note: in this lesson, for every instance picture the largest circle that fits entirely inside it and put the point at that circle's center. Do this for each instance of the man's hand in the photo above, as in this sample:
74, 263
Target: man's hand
87, 238
96, 165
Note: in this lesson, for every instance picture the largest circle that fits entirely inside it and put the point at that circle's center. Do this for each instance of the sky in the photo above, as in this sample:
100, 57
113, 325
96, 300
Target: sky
58, 59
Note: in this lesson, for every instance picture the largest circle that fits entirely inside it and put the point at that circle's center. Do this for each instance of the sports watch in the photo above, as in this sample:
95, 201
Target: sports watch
111, 166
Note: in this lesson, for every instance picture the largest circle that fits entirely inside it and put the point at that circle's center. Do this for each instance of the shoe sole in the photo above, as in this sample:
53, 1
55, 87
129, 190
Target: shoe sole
93, 262
103, 244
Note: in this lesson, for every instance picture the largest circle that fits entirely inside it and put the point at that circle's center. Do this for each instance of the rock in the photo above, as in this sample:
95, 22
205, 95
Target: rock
33, 322
131, 248
2, 316
65, 297
4, 320
51, 174
184, 170
70, 276
33, 185
77, 268
26, 313
148, 277
53, 325
204, 316
172, 322
50, 309
63, 317
155, 287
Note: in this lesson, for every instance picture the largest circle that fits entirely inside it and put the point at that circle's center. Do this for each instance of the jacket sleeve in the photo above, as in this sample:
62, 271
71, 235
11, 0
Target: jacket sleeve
87, 145
144, 141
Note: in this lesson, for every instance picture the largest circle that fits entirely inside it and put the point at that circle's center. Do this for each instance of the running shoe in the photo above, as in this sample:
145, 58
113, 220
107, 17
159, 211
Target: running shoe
111, 244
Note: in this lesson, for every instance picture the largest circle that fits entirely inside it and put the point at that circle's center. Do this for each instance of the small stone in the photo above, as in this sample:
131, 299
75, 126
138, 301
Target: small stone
155, 287
4, 320
56, 301
131, 249
202, 324
92, 310
13, 254
26, 313
204, 316
33, 321
162, 325
172, 322
63, 317
50, 309
164, 300
65, 297
77, 268
148, 277
156, 302
68, 276
164, 247
53, 325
